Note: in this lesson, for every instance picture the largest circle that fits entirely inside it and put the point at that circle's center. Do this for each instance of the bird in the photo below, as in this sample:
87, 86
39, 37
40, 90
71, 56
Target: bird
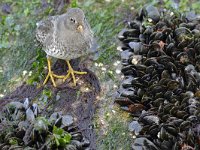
66, 36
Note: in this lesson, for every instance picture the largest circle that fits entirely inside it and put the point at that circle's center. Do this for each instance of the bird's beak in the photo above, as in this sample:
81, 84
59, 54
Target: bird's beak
80, 28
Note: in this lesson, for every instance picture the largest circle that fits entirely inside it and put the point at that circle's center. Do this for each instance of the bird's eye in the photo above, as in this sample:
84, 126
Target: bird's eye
72, 20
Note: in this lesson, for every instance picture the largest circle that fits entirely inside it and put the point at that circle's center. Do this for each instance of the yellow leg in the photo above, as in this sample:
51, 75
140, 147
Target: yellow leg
72, 72
51, 74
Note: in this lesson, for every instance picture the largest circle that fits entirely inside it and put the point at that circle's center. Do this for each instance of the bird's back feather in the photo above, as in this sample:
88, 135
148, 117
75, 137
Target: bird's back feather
45, 29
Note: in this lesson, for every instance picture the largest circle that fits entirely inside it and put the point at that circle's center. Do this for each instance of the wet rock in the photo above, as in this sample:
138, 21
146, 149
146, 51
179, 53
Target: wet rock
135, 127
162, 78
143, 144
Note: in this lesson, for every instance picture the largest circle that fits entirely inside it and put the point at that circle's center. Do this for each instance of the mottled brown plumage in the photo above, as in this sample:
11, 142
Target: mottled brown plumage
60, 37
67, 36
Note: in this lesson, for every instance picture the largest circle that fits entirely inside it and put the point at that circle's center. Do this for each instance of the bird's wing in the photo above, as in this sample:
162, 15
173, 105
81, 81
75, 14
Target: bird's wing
45, 28
93, 50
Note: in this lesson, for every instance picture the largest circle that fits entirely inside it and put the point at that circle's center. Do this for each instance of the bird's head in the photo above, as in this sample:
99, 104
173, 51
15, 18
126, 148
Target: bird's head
75, 20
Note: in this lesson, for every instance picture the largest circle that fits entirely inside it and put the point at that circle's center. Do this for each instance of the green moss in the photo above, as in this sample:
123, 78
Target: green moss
116, 136
17, 40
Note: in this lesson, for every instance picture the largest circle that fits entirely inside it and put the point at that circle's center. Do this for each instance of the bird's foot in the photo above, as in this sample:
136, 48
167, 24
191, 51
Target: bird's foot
72, 72
51, 75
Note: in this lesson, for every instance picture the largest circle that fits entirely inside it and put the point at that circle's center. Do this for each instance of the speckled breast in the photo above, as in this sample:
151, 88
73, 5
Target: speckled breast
58, 50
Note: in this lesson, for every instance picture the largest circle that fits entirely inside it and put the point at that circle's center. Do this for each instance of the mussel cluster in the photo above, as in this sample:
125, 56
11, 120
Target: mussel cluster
161, 87
23, 127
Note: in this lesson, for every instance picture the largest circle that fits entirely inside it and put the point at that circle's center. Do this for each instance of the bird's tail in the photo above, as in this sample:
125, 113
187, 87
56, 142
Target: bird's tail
94, 50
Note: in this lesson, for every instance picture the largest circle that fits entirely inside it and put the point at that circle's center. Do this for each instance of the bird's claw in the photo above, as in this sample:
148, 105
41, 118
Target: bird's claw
72, 72
52, 76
